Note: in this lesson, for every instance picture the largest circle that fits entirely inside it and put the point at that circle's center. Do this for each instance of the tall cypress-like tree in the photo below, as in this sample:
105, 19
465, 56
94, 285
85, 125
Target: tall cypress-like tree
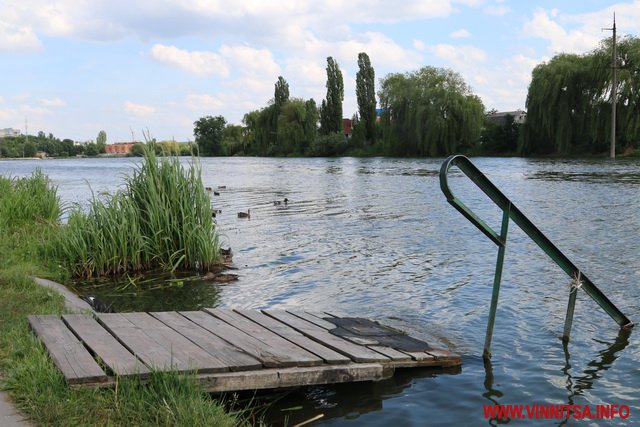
331, 109
366, 95
281, 93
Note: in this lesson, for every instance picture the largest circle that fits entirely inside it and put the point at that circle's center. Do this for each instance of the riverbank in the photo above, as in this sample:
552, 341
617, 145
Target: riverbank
36, 387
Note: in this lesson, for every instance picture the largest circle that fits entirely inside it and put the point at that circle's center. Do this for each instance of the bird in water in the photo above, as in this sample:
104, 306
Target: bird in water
246, 214
278, 202
97, 304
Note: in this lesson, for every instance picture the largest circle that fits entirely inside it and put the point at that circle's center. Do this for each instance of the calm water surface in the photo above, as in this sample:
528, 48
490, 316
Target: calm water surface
376, 238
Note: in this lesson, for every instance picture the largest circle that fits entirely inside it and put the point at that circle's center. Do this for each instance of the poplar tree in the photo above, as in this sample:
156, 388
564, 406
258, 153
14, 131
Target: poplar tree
331, 108
366, 95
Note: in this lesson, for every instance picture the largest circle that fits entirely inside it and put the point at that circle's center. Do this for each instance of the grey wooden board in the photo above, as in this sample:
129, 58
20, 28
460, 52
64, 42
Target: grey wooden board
66, 351
269, 356
291, 377
328, 355
365, 331
105, 346
230, 357
356, 352
259, 332
313, 319
393, 354
158, 345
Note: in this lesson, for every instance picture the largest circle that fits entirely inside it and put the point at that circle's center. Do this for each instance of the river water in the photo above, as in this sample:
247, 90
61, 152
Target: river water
376, 238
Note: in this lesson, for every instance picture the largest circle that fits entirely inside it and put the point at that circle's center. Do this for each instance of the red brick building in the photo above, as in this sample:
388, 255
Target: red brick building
119, 148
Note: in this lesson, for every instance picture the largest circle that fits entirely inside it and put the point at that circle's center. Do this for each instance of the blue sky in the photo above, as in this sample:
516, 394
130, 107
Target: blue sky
75, 67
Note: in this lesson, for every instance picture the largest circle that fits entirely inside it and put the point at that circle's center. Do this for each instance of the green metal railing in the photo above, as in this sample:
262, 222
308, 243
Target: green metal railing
510, 211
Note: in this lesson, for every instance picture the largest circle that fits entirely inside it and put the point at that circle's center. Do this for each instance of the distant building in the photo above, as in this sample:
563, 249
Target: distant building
347, 127
119, 148
519, 116
9, 132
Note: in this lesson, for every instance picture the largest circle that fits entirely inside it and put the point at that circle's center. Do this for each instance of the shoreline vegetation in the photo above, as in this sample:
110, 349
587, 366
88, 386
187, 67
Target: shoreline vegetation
30, 224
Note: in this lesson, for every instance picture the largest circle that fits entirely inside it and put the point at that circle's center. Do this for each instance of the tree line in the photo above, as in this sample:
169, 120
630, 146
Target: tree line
30, 145
434, 112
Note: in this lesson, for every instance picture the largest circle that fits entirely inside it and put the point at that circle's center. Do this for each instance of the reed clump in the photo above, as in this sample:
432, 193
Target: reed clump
28, 199
161, 219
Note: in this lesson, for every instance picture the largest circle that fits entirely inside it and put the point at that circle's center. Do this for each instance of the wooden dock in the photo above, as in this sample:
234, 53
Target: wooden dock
231, 349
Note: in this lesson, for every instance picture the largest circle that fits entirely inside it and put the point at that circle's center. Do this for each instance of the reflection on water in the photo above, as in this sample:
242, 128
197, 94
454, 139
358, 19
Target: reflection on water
376, 238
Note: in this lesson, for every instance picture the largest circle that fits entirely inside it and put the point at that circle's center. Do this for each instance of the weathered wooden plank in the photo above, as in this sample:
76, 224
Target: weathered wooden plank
443, 355
104, 345
328, 355
420, 355
158, 345
270, 357
313, 318
395, 355
356, 352
259, 332
67, 352
229, 356
290, 377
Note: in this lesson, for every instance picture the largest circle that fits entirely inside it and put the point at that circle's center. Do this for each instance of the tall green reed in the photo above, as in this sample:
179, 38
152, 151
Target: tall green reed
160, 219
28, 199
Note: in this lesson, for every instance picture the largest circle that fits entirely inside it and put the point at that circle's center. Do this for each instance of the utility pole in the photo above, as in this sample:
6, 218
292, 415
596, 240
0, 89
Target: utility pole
614, 87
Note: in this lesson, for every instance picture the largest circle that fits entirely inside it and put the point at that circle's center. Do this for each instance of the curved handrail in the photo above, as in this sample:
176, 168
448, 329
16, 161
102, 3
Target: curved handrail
473, 173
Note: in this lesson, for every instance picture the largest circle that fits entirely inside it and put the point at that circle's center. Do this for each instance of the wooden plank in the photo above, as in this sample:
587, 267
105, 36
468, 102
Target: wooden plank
158, 345
271, 357
230, 356
291, 377
442, 354
395, 355
259, 332
328, 355
356, 352
313, 318
105, 346
66, 351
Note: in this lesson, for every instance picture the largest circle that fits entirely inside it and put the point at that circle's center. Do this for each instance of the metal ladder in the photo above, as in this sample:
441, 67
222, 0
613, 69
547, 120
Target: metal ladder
510, 211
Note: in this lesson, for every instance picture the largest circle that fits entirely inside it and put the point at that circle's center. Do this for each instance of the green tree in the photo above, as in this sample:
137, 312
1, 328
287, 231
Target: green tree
331, 109
366, 96
569, 102
102, 138
29, 149
281, 92
429, 112
233, 141
209, 134
500, 138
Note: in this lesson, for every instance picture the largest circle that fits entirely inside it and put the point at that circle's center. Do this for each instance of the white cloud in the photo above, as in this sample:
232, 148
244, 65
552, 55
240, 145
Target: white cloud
138, 109
458, 56
204, 102
201, 63
497, 10
250, 61
18, 38
54, 102
460, 34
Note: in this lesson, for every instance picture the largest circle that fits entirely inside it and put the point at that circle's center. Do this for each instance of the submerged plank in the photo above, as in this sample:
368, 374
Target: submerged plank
328, 355
293, 377
230, 356
105, 346
357, 353
158, 345
270, 356
67, 352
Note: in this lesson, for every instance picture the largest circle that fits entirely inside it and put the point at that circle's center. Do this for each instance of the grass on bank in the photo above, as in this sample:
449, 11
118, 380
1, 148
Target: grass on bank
162, 219
29, 226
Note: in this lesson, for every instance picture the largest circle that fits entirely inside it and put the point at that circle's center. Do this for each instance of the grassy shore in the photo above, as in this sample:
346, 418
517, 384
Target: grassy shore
29, 226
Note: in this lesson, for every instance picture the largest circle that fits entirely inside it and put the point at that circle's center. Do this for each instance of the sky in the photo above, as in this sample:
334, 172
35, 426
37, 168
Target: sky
75, 67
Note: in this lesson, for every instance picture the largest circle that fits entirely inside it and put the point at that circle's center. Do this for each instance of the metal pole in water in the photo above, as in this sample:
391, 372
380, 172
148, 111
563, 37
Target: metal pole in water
614, 87
486, 354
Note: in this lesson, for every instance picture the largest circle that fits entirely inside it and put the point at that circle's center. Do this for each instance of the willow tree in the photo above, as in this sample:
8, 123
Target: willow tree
429, 112
569, 102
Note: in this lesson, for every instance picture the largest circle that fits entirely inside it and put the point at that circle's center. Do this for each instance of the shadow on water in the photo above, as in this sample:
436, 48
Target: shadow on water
347, 400
152, 292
